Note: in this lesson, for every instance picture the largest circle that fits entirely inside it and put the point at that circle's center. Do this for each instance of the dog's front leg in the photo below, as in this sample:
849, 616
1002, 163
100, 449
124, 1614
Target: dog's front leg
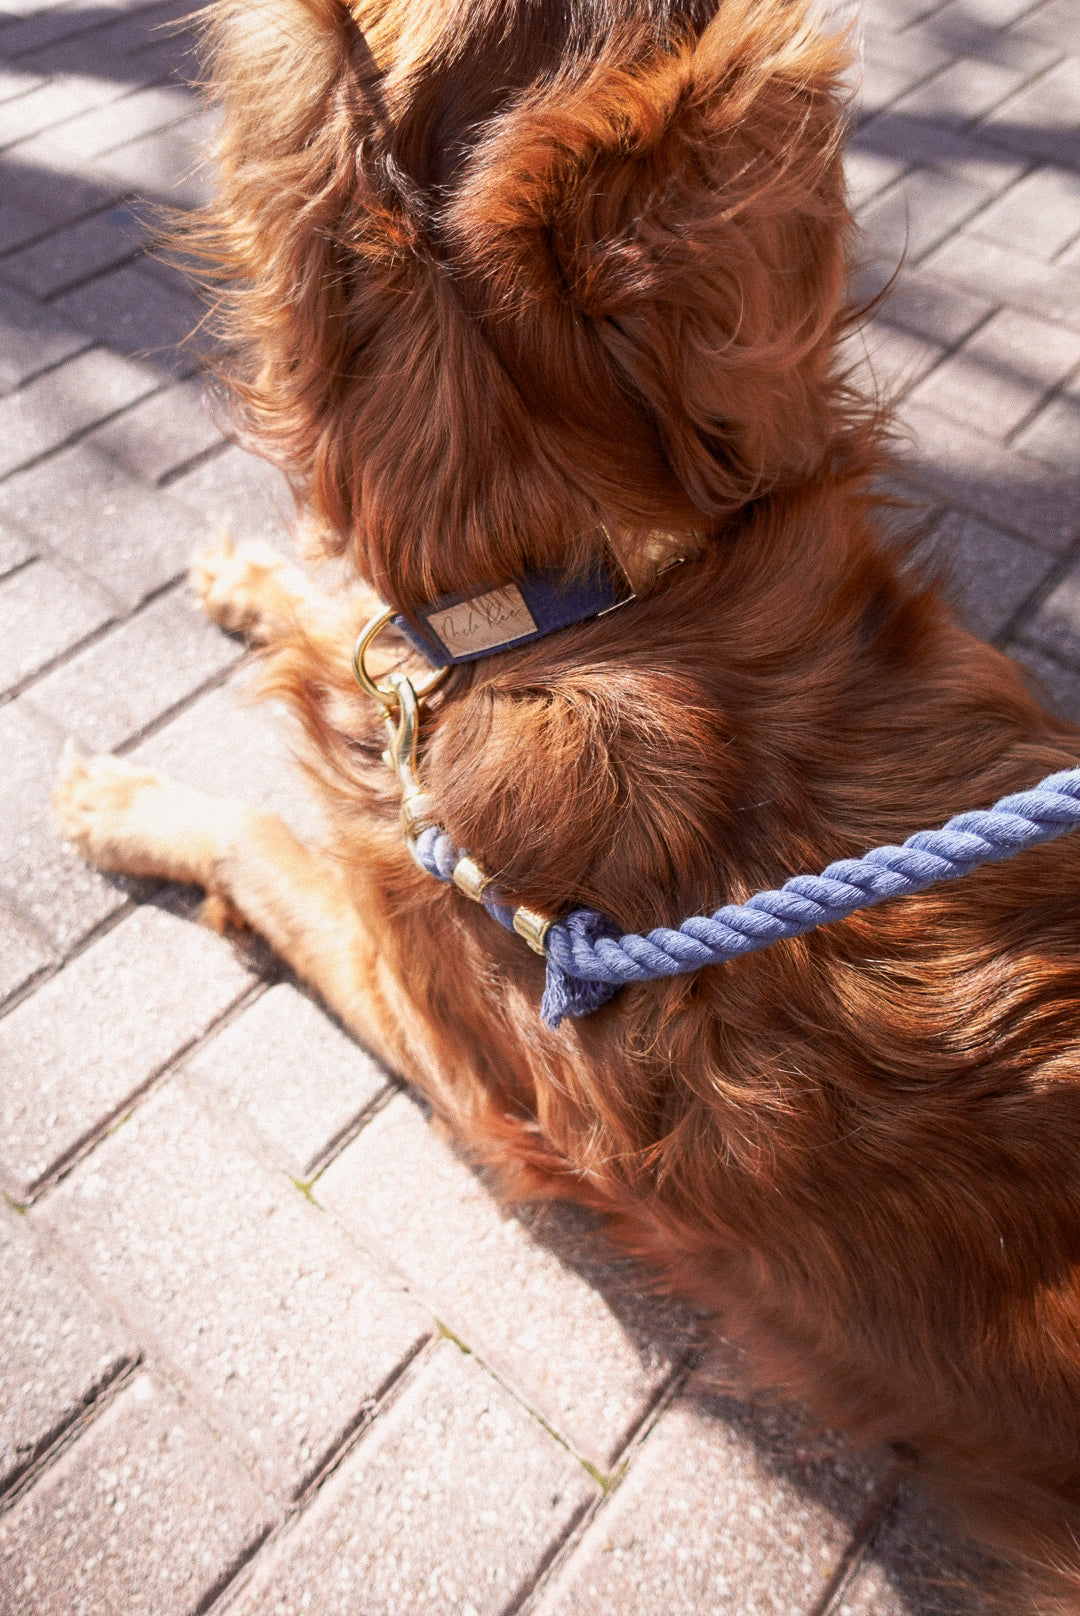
251, 589
129, 819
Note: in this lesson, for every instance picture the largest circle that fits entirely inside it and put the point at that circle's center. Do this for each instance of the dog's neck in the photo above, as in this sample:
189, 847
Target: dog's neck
470, 624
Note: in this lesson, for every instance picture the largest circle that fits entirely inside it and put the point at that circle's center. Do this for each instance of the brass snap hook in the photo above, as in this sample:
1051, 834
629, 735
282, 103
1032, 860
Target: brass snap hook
400, 701
417, 808
386, 695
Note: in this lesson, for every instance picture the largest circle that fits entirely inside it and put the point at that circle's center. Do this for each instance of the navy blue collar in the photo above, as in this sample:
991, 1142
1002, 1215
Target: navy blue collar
463, 627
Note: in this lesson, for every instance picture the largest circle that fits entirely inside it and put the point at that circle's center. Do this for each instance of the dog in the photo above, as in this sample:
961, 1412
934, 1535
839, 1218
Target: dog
524, 289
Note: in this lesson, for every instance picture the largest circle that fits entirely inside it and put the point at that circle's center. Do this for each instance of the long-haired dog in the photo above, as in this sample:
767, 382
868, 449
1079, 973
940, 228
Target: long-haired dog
539, 287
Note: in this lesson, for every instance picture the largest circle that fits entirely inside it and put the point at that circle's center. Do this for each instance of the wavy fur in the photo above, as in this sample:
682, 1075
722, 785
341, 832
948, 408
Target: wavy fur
493, 275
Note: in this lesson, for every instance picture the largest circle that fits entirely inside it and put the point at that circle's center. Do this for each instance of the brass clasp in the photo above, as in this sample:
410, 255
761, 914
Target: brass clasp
400, 701
386, 695
400, 755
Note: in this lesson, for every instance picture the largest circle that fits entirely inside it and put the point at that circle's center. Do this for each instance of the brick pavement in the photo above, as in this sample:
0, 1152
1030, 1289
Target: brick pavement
266, 1344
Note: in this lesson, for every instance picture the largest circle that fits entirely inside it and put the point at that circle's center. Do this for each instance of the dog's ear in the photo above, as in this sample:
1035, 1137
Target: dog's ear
691, 211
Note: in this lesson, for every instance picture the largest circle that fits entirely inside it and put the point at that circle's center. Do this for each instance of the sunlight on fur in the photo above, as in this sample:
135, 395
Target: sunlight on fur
495, 279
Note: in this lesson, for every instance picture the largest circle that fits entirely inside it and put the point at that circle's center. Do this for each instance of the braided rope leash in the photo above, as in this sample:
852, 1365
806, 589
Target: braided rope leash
588, 960
583, 952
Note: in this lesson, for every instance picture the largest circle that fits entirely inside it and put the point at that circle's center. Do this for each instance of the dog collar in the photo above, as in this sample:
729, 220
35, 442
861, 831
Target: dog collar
465, 627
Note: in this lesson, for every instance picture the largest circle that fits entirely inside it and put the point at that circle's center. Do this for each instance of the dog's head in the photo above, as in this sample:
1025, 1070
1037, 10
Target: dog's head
501, 274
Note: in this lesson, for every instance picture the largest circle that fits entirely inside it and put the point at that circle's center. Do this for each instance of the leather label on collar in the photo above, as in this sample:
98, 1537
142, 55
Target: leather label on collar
483, 623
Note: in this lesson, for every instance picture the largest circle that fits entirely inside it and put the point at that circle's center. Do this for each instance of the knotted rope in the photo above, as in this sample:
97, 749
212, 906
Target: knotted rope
588, 960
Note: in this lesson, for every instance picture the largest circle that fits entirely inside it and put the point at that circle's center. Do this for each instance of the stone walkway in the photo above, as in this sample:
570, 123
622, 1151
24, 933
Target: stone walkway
265, 1344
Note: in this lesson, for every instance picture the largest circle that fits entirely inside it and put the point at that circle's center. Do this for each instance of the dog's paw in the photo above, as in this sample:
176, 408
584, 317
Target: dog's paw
120, 816
240, 586
125, 818
98, 803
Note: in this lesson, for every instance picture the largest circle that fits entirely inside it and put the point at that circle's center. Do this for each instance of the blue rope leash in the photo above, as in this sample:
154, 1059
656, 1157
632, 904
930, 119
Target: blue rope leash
588, 960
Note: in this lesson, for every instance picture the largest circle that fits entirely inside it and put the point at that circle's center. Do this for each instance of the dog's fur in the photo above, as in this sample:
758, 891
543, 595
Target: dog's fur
499, 273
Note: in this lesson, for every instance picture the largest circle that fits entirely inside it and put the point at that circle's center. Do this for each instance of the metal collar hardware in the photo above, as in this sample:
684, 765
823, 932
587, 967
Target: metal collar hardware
400, 701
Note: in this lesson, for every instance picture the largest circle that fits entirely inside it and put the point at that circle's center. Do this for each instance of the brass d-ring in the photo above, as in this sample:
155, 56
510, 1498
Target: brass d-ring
386, 695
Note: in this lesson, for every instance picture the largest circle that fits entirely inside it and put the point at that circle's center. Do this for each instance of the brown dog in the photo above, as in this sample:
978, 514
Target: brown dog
511, 287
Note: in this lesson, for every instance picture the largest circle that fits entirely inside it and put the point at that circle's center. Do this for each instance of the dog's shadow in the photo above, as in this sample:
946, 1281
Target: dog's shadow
903, 1558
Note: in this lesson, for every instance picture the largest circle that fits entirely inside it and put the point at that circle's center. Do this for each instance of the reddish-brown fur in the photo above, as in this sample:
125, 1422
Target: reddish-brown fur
495, 278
